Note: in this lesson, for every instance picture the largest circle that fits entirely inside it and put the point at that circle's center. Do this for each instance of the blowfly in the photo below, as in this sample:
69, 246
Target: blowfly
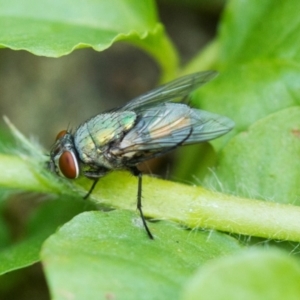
146, 127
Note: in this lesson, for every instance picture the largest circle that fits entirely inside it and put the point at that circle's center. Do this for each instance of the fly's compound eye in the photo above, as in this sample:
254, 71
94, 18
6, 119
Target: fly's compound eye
68, 165
61, 134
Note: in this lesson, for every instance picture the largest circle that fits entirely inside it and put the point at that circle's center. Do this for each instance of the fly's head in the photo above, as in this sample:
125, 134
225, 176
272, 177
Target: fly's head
63, 156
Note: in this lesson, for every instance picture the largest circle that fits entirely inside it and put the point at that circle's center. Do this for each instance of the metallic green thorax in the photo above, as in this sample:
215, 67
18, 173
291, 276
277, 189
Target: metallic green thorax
95, 136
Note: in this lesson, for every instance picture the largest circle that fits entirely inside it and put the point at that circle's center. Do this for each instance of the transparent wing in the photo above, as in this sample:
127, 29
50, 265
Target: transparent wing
168, 125
175, 89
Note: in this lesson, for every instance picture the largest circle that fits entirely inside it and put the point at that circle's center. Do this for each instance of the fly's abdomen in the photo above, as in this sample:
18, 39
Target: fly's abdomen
93, 138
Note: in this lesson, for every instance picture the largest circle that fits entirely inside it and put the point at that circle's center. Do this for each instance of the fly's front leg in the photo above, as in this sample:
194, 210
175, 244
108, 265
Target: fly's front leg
91, 188
139, 174
94, 175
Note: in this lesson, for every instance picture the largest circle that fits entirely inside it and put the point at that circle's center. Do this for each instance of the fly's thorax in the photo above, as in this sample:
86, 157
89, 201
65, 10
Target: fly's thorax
94, 138
63, 156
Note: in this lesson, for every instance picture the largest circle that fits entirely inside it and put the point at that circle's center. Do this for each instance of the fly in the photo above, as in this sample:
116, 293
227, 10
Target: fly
146, 127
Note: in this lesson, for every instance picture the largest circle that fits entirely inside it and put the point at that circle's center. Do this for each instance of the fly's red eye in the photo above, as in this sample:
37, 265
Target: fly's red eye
68, 165
61, 134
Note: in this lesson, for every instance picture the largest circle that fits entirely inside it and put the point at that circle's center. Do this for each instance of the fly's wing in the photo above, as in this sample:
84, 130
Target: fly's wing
208, 126
175, 89
164, 127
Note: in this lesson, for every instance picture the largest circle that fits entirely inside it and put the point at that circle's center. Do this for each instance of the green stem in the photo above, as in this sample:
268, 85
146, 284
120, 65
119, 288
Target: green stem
197, 207
193, 206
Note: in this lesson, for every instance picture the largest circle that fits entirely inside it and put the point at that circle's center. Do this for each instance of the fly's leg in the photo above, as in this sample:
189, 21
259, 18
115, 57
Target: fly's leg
91, 188
139, 205
139, 174
135, 171
94, 175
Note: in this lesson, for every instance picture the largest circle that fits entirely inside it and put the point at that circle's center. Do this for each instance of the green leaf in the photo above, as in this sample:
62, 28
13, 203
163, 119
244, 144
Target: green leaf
43, 223
248, 275
263, 162
6, 141
246, 94
254, 29
5, 234
249, 92
185, 166
56, 28
98, 255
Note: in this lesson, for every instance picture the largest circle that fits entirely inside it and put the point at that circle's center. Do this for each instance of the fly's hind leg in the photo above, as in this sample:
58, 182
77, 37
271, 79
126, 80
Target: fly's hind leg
139, 174
135, 171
